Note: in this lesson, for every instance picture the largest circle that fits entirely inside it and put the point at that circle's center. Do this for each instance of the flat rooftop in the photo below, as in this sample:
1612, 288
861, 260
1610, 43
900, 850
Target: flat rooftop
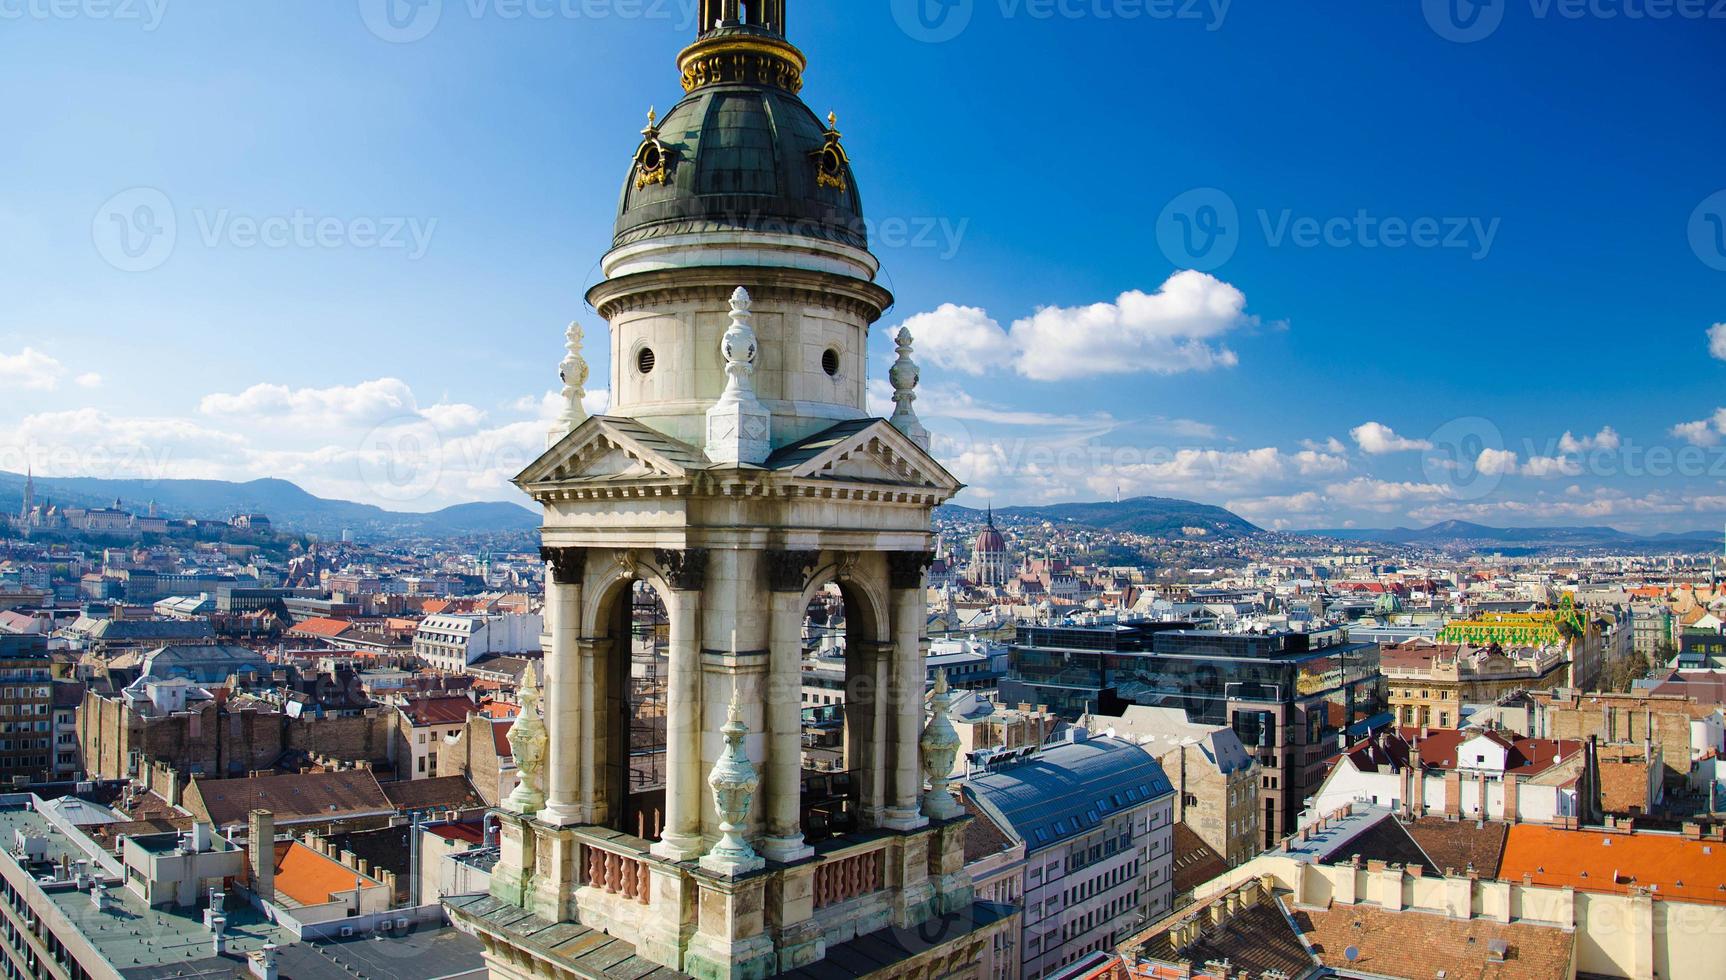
129, 933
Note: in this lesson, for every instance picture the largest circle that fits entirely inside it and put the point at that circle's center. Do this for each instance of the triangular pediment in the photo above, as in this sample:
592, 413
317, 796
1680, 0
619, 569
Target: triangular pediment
606, 449
869, 451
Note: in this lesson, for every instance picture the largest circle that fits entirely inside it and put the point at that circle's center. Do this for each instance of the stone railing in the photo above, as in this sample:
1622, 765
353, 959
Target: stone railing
840, 879
619, 874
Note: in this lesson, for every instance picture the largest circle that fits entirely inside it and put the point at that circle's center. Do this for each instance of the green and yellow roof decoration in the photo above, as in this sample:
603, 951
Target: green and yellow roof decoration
1550, 627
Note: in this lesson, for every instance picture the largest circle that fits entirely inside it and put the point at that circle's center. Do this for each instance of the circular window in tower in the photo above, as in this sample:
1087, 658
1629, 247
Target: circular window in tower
830, 362
645, 360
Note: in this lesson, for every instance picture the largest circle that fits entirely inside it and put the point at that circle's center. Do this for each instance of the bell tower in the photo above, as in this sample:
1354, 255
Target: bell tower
737, 480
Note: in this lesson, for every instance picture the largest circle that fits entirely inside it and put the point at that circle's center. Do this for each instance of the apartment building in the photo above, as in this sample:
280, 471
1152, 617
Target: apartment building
1096, 819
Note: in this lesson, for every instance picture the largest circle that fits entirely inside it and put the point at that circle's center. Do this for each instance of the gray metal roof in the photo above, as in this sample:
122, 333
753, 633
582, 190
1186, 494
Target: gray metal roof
1068, 790
742, 157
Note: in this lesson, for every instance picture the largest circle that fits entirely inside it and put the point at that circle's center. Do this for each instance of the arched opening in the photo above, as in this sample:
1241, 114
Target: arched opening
840, 698
634, 667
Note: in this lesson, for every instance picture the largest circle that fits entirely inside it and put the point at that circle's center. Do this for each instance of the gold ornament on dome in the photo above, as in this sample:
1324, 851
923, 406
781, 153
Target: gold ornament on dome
750, 60
651, 156
831, 161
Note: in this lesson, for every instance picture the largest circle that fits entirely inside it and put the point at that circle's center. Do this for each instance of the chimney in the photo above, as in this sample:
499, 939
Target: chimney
262, 841
262, 963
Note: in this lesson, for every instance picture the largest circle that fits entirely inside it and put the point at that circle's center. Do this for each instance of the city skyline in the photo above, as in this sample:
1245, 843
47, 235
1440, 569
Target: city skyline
350, 244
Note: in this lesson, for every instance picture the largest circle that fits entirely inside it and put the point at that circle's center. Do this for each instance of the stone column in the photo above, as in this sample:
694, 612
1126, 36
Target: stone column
868, 729
686, 572
563, 683
787, 576
905, 571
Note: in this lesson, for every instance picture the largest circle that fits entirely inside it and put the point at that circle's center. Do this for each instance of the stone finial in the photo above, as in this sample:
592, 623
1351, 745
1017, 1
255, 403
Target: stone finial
528, 743
940, 747
904, 376
573, 373
739, 427
734, 783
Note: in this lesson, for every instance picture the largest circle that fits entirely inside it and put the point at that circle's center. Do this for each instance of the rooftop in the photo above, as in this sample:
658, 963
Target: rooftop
1067, 790
128, 933
1672, 867
1373, 941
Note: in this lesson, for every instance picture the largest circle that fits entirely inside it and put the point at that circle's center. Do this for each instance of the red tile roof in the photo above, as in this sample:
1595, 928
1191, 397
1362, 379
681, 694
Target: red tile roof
1678, 868
330, 628
309, 878
1524, 756
439, 710
500, 737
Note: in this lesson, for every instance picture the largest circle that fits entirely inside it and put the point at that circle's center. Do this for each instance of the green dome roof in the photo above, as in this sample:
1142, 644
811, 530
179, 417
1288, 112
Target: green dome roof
741, 156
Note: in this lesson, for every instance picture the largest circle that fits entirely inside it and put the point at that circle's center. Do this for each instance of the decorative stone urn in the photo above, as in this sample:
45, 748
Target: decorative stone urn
734, 783
528, 742
940, 747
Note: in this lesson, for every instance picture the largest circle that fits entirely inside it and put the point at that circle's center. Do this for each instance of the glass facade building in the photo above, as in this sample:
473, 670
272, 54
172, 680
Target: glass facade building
1289, 696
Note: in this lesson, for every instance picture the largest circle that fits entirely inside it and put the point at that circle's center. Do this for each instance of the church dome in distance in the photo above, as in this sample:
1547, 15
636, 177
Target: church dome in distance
741, 152
989, 540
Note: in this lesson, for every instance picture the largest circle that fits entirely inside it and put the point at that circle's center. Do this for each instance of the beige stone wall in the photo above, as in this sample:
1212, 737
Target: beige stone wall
1633, 936
689, 374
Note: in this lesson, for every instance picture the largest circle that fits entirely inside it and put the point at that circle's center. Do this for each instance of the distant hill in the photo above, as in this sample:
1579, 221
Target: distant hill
288, 506
1153, 516
1465, 533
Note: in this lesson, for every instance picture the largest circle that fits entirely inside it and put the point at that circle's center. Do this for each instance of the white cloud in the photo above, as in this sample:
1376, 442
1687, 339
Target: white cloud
1717, 341
88, 442
1606, 439
1329, 444
1551, 466
960, 338
369, 403
1702, 432
89, 379
1176, 329
1363, 491
1376, 438
454, 417
31, 370
1496, 462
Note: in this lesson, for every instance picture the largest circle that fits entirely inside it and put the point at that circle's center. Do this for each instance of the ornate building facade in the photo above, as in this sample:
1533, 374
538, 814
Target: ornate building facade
738, 475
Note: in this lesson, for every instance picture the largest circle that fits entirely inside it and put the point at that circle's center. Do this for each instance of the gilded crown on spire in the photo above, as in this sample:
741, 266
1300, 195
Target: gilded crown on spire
742, 42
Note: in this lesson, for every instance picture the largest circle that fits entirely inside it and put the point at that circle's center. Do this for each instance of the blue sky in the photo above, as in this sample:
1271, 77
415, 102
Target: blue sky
1422, 243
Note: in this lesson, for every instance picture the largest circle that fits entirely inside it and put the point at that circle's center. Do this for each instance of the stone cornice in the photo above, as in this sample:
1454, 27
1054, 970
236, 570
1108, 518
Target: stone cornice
768, 285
